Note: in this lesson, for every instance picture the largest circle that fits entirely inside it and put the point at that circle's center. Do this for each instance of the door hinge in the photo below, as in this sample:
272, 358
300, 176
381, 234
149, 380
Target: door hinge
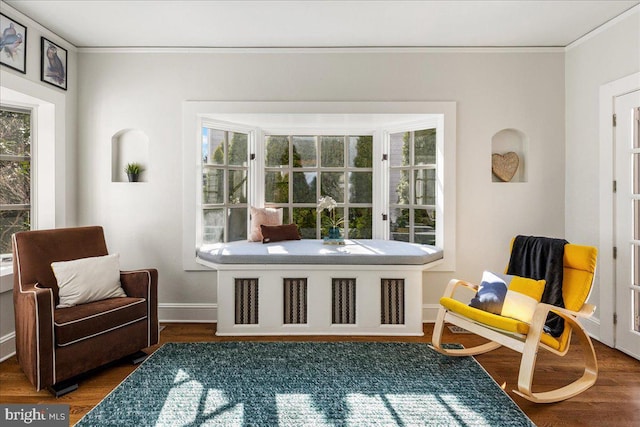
384, 217
615, 318
636, 114
253, 156
615, 186
385, 157
615, 121
615, 252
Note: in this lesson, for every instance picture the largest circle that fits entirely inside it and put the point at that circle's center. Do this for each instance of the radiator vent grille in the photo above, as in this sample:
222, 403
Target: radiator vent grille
392, 301
295, 300
246, 301
343, 297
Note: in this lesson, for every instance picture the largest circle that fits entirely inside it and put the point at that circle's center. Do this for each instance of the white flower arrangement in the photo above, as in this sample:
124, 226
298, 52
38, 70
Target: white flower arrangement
328, 203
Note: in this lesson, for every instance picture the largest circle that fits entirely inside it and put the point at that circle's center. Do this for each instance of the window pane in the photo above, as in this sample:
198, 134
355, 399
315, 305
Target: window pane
425, 147
15, 133
636, 310
213, 147
237, 186
332, 151
360, 187
277, 151
276, 187
237, 224
399, 187
213, 226
361, 151
636, 219
12, 222
304, 187
636, 173
399, 149
305, 151
360, 223
425, 186
15, 182
635, 249
332, 184
424, 223
399, 224
305, 218
286, 217
213, 186
238, 146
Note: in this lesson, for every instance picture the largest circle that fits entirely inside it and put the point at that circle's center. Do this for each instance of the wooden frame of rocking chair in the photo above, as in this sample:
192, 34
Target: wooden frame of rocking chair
526, 344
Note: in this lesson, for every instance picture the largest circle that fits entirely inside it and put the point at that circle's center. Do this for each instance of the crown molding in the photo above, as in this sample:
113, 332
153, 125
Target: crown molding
317, 50
602, 28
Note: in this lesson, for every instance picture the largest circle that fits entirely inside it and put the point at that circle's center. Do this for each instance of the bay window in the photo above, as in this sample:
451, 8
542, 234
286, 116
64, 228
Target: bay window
391, 170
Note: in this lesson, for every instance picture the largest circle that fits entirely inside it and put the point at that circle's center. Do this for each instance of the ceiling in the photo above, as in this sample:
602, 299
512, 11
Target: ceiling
326, 23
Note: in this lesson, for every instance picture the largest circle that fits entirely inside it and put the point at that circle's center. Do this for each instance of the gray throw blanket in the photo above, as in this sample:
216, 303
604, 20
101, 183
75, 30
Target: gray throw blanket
542, 258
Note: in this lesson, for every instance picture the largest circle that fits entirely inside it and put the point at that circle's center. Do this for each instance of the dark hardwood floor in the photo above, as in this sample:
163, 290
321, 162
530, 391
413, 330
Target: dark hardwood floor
613, 401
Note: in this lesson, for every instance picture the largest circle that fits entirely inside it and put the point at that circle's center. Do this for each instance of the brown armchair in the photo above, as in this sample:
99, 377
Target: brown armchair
54, 345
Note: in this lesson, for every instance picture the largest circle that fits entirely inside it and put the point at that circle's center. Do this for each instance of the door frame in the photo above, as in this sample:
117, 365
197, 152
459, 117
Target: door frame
603, 327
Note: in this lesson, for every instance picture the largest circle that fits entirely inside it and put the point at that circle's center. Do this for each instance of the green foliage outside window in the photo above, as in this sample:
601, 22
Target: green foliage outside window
414, 174
335, 166
15, 175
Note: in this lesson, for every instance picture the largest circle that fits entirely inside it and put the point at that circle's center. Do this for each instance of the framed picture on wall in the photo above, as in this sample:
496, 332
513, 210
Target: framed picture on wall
13, 44
53, 65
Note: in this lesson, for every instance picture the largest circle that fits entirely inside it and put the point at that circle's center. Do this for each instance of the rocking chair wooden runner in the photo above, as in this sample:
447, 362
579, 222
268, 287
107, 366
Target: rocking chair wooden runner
578, 274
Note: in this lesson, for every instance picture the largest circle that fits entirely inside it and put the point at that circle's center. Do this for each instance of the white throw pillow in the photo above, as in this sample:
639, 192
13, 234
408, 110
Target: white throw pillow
88, 279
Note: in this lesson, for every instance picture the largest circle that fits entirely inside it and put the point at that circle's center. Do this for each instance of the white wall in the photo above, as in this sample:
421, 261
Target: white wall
607, 55
59, 196
494, 90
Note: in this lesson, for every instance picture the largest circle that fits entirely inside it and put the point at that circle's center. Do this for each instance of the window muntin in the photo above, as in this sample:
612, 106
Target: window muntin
299, 169
412, 186
15, 174
225, 185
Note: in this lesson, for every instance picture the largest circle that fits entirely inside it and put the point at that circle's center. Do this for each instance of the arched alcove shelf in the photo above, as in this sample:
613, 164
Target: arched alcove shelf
129, 146
503, 146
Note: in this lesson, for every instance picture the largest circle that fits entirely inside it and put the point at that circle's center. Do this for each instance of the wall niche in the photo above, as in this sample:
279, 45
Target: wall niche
508, 156
129, 146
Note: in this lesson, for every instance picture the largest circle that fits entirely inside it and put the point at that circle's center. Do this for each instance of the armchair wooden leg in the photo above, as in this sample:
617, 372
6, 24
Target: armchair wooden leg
138, 357
63, 387
527, 366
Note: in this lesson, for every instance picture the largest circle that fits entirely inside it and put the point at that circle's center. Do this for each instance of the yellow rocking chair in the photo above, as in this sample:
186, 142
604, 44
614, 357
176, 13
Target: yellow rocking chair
578, 273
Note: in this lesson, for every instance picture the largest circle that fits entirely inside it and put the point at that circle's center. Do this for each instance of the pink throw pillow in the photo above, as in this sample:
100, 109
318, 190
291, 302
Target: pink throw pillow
263, 216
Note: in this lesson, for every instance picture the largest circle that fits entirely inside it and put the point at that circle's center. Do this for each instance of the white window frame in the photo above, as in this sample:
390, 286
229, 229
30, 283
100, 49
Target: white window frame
400, 116
48, 146
26, 109
438, 123
251, 137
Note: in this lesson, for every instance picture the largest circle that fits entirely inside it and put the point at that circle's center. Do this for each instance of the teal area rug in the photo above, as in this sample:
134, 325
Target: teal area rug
306, 384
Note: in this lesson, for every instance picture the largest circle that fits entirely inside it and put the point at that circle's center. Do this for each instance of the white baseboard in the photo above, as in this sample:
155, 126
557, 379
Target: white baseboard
7, 346
592, 326
187, 313
429, 312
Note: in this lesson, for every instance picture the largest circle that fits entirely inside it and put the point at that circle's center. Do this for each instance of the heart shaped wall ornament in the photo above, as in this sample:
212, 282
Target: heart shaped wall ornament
504, 166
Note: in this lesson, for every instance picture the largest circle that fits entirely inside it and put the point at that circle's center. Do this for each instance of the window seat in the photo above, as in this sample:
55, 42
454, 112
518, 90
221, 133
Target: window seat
304, 287
308, 251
